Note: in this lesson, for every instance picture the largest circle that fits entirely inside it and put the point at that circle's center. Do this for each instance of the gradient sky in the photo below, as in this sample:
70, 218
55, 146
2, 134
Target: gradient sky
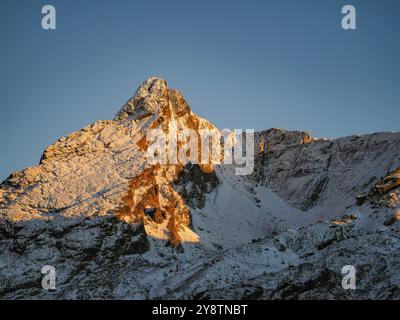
240, 64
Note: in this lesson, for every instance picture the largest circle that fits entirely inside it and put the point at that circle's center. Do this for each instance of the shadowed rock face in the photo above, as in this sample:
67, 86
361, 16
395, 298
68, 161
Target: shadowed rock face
72, 245
307, 171
193, 184
115, 226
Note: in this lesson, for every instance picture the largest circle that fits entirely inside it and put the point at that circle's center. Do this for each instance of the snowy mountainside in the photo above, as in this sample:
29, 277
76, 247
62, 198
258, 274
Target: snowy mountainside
115, 225
309, 172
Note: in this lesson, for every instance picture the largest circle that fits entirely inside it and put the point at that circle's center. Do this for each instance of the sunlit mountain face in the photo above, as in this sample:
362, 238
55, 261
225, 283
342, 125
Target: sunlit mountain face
159, 203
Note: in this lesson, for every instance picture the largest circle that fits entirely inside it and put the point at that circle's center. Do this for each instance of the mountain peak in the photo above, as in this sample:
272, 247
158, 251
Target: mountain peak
148, 99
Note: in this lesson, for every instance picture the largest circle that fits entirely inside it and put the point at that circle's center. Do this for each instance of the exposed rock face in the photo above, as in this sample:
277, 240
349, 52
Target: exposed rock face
74, 245
115, 225
193, 184
307, 171
149, 99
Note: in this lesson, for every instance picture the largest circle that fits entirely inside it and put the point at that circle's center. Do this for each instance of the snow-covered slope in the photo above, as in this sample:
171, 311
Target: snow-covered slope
285, 231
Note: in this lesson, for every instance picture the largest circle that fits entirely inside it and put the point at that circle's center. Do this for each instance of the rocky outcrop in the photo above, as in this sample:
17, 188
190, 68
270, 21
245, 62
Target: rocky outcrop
194, 183
71, 245
150, 99
308, 171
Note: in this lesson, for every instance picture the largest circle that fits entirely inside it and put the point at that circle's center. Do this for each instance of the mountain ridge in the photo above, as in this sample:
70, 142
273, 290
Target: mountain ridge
97, 210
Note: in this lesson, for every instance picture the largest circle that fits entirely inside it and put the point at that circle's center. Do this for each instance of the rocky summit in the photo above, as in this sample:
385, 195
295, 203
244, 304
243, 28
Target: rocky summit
116, 226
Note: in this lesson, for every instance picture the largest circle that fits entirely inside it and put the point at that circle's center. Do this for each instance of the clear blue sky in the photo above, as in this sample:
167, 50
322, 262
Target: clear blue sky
240, 64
